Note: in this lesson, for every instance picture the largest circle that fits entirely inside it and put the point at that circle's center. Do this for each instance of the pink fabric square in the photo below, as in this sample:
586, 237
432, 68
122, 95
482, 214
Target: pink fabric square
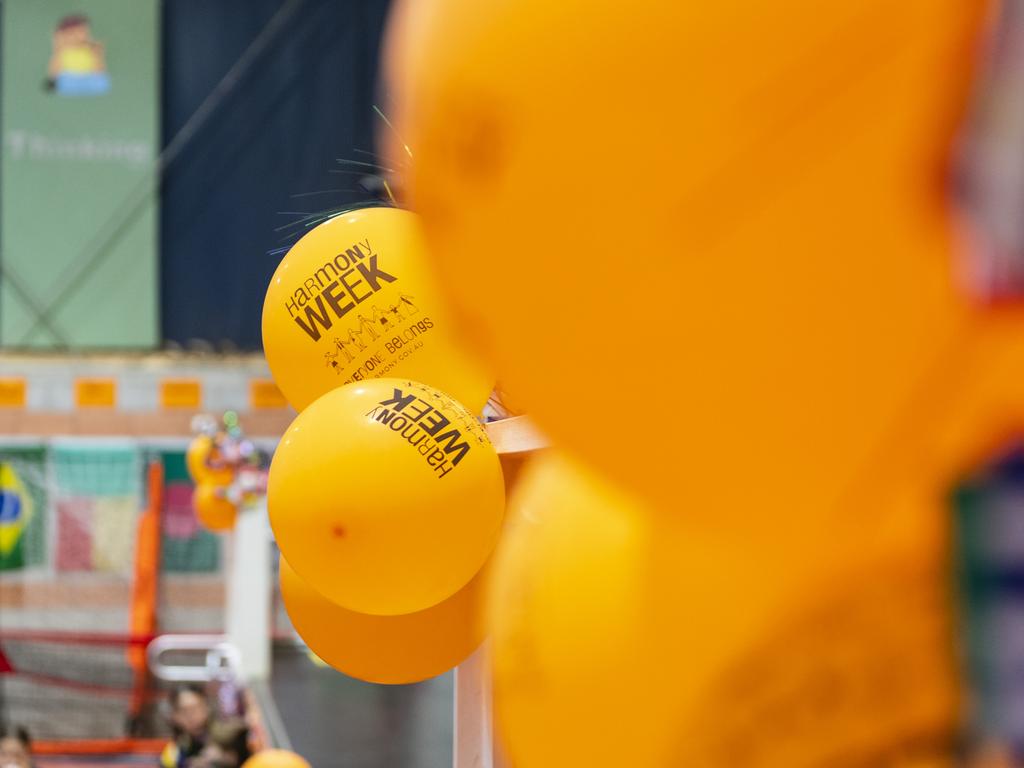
179, 519
74, 534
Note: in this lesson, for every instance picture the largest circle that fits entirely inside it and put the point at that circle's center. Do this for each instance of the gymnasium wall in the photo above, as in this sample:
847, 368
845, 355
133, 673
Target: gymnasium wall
304, 102
258, 100
80, 132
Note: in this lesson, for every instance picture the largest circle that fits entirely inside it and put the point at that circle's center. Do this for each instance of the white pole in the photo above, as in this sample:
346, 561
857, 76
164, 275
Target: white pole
248, 599
473, 738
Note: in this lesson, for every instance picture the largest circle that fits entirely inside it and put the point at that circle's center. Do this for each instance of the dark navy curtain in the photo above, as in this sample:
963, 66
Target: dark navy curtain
265, 155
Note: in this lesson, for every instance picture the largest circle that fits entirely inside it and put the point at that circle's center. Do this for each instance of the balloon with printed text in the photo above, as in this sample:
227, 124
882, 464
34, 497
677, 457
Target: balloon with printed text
386, 496
355, 299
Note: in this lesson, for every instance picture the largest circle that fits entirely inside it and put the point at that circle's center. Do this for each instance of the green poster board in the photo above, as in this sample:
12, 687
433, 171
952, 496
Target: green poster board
78, 210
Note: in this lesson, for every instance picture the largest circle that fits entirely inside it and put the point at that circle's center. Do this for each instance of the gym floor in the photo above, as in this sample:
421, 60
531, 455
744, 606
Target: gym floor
335, 721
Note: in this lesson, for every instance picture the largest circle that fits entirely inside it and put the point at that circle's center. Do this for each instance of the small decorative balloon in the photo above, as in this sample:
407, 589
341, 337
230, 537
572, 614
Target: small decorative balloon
354, 300
213, 508
228, 469
275, 758
386, 649
198, 461
386, 496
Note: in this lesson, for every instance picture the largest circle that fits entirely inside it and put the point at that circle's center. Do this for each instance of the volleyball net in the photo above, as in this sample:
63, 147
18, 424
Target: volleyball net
99, 552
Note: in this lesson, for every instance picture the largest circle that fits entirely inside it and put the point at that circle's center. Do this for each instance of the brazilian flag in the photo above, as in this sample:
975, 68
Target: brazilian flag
17, 508
23, 506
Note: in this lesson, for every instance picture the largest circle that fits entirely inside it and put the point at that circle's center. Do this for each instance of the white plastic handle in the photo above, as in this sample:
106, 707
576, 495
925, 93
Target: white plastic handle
222, 660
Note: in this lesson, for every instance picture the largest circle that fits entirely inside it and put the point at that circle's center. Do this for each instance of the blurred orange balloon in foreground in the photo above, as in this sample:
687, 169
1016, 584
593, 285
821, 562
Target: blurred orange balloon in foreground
385, 649
572, 618
683, 648
764, 335
275, 758
212, 509
386, 496
754, 261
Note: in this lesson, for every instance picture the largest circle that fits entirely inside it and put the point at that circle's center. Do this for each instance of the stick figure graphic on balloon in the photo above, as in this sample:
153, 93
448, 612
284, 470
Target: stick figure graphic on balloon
356, 337
367, 326
381, 318
344, 349
410, 308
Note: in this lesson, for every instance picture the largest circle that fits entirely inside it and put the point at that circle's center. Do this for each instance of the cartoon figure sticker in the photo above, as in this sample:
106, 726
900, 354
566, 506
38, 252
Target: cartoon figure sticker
78, 64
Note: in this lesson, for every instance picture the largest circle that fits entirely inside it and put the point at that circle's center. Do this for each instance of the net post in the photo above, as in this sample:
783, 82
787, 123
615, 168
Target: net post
142, 620
473, 742
249, 591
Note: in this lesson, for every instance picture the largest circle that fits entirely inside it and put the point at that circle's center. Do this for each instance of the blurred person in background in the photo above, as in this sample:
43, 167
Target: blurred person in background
190, 723
227, 746
15, 747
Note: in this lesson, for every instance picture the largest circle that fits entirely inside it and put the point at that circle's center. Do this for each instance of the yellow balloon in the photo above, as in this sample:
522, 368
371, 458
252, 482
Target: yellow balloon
690, 648
575, 645
196, 457
760, 332
275, 758
386, 496
771, 242
386, 649
213, 509
355, 299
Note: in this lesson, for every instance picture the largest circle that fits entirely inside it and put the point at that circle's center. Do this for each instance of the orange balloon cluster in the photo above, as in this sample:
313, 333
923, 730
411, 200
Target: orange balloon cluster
385, 494
209, 500
227, 469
